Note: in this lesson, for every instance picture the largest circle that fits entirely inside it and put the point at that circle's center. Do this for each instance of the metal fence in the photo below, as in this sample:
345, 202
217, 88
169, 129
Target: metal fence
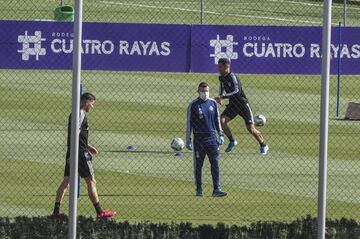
146, 110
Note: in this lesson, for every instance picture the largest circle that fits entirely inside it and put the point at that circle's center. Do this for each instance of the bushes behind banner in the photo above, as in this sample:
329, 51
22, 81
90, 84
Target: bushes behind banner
48, 227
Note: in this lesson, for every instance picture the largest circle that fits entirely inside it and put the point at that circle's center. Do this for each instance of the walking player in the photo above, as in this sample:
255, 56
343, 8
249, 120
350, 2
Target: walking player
203, 120
85, 166
230, 87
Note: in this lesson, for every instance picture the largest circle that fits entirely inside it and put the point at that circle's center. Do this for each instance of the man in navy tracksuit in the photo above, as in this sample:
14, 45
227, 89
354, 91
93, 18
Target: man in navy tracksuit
203, 120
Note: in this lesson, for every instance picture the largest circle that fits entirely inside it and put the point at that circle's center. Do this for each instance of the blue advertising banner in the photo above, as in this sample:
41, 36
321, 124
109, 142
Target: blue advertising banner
272, 49
106, 46
175, 48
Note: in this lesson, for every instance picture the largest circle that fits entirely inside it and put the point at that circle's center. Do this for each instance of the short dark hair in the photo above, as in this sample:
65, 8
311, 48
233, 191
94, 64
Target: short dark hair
224, 61
87, 97
203, 84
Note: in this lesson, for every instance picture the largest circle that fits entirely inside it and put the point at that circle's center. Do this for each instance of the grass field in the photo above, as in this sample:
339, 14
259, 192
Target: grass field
149, 109
155, 185
264, 12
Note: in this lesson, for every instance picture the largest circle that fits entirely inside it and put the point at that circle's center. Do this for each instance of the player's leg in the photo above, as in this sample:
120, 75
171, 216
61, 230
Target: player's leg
264, 148
60, 192
225, 118
214, 158
199, 156
256, 133
86, 171
225, 126
248, 117
94, 197
92, 192
64, 185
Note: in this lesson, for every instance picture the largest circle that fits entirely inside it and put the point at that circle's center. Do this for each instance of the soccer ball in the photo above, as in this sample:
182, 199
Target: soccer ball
177, 144
260, 120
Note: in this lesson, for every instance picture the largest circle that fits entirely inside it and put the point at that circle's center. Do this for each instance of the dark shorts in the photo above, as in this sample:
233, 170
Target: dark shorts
244, 110
85, 166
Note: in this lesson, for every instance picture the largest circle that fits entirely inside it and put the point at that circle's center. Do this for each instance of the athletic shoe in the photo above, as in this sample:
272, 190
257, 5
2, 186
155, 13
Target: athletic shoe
264, 150
107, 214
231, 146
199, 193
219, 193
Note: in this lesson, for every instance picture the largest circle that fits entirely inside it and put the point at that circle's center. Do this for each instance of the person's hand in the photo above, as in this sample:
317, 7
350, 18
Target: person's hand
221, 140
218, 100
189, 145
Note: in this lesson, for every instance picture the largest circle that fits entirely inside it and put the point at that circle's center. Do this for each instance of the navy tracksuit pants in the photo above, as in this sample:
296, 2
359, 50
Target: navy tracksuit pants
206, 147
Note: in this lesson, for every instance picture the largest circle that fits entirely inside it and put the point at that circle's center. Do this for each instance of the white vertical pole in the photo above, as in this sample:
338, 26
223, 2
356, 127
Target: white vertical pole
324, 122
345, 12
74, 149
202, 9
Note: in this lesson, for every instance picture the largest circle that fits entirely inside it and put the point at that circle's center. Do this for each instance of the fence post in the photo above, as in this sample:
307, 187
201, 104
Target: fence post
324, 121
345, 12
202, 7
339, 72
79, 178
74, 152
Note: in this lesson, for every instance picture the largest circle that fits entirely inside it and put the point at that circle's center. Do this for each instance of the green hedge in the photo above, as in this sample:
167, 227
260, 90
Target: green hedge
47, 227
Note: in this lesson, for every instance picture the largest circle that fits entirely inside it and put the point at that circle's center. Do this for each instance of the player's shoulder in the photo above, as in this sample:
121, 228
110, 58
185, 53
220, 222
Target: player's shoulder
83, 114
212, 100
232, 75
194, 102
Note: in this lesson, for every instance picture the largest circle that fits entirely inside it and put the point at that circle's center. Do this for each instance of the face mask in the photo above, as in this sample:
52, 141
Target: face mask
204, 95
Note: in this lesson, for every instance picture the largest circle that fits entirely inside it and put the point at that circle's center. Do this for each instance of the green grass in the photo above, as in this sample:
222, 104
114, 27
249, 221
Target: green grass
149, 109
264, 12
155, 185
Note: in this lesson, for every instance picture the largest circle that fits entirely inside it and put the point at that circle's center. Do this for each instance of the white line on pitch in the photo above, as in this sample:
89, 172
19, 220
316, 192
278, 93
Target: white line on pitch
309, 4
208, 12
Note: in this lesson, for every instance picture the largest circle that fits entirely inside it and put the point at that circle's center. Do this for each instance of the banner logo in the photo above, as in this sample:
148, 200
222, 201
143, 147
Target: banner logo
31, 46
223, 48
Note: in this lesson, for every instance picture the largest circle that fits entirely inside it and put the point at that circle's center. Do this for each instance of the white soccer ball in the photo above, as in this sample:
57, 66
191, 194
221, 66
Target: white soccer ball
177, 144
260, 120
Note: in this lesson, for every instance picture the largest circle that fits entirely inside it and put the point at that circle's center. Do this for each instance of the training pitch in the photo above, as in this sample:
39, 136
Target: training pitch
147, 110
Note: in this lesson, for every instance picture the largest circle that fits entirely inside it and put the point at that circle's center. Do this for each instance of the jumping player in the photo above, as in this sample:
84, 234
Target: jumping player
203, 120
230, 87
85, 166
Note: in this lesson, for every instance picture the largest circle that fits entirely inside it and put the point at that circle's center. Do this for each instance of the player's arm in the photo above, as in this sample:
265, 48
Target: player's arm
188, 124
218, 125
81, 119
236, 88
221, 94
189, 127
92, 149
217, 121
